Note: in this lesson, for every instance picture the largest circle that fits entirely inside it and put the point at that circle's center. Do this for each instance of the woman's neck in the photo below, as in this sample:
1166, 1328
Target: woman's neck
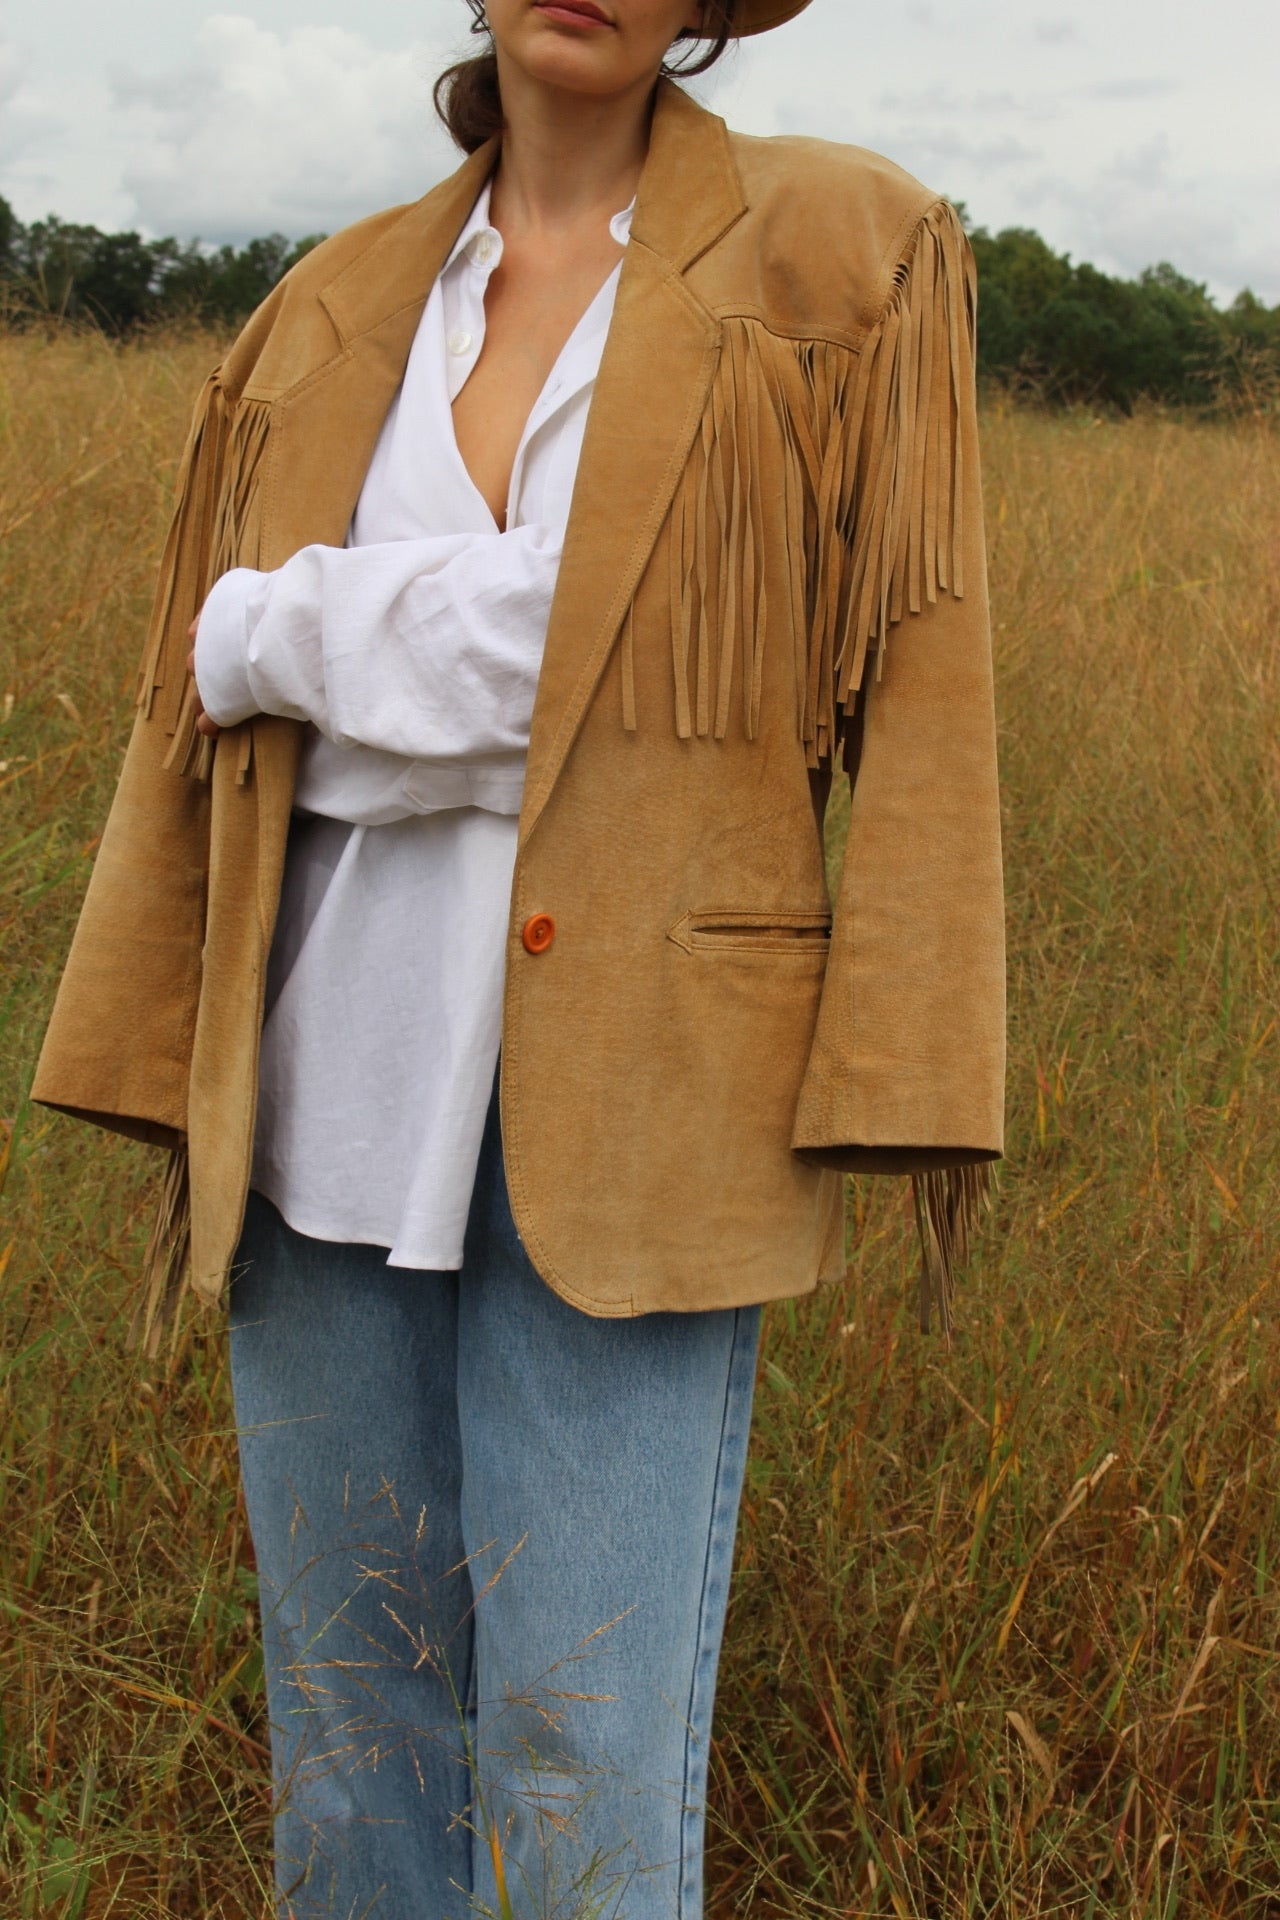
566, 158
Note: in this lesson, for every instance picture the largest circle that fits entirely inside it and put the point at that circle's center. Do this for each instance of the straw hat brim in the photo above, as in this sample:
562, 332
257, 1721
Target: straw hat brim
757, 16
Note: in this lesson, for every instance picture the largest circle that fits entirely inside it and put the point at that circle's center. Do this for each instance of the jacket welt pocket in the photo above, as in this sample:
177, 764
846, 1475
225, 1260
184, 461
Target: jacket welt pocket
802, 933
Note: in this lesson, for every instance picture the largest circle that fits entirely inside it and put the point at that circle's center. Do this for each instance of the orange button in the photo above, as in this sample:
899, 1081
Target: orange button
538, 933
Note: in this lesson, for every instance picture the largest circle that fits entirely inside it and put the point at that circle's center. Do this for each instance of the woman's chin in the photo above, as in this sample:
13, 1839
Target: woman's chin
571, 70
572, 60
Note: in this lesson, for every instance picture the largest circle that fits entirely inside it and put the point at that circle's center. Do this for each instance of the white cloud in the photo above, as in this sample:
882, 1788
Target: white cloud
291, 132
1145, 206
15, 117
12, 68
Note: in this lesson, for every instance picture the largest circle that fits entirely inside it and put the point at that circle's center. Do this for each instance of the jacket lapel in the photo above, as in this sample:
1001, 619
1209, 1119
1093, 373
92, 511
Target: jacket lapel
652, 388
328, 419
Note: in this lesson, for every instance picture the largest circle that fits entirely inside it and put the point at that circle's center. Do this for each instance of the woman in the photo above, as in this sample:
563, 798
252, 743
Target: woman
556, 537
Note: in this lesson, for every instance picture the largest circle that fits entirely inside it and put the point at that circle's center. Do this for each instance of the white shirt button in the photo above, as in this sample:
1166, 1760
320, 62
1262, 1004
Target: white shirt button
482, 248
459, 341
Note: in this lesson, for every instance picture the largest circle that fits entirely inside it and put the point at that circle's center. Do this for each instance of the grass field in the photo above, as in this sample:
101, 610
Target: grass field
1004, 1637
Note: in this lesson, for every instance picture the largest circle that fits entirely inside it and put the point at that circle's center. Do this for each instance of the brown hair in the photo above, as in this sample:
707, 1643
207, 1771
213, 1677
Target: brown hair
467, 97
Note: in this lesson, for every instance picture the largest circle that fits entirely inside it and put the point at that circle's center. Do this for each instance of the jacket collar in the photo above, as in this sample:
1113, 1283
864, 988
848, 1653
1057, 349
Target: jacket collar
690, 193
400, 269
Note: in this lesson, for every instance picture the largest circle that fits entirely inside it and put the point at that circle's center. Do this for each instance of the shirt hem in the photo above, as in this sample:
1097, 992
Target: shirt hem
311, 1228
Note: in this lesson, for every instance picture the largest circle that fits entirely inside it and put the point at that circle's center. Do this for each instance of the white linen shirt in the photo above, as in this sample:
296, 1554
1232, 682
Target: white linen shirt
413, 653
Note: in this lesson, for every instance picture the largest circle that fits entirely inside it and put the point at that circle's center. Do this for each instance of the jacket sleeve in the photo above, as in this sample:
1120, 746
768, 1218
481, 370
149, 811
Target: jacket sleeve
118, 1046
906, 1072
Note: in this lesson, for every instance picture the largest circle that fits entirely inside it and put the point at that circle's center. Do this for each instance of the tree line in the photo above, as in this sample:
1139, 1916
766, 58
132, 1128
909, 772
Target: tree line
1072, 333
121, 283
1063, 330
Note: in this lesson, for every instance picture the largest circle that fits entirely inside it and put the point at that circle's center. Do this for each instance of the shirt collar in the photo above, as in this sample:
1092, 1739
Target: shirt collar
478, 222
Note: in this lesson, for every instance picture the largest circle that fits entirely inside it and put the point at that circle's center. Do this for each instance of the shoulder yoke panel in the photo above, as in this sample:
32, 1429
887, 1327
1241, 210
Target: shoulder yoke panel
825, 230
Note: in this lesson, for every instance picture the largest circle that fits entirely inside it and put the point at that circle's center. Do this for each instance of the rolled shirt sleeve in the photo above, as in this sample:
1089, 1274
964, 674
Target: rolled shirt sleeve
222, 672
425, 649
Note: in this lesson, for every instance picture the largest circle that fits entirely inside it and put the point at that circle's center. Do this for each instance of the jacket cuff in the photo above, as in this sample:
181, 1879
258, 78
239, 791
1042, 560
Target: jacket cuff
222, 648
859, 1159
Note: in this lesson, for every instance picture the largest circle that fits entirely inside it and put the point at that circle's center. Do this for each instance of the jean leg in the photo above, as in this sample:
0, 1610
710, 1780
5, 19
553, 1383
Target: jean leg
602, 1467
344, 1376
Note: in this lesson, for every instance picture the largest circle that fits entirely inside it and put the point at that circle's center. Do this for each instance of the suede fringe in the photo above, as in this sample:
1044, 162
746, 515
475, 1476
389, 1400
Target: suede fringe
948, 1207
165, 1269
212, 531
870, 454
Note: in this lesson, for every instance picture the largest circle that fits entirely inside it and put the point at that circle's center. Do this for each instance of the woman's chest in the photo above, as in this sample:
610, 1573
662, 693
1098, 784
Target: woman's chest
418, 484
533, 307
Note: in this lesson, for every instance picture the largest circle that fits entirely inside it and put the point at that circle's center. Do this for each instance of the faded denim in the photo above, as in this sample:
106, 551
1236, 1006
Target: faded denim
494, 1539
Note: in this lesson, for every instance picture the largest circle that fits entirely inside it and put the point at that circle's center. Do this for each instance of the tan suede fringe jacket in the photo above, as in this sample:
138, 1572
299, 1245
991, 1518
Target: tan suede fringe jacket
775, 554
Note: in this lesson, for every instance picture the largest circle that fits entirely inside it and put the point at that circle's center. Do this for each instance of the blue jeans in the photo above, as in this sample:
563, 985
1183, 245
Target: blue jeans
494, 1538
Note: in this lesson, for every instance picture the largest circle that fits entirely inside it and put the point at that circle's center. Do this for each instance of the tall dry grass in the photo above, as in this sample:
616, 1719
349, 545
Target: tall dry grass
1003, 1637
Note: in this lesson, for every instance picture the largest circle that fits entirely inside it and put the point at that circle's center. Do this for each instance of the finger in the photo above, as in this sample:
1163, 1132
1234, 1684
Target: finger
209, 728
191, 630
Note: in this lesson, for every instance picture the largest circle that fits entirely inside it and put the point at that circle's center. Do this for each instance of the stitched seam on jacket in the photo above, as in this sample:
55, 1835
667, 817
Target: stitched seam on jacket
285, 396
851, 338
830, 336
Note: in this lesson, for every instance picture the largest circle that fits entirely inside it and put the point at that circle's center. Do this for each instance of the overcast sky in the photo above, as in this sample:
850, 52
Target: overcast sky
1127, 131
